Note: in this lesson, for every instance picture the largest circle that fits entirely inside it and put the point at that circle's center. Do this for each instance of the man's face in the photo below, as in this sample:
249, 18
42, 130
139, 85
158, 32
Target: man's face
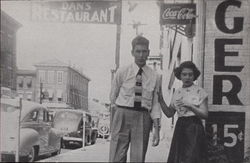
140, 53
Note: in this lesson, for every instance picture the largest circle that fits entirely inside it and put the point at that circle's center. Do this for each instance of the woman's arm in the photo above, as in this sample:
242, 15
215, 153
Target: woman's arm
169, 111
201, 110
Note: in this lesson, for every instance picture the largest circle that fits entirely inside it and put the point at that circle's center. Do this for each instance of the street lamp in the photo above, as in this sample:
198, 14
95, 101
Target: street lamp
83, 130
18, 132
41, 92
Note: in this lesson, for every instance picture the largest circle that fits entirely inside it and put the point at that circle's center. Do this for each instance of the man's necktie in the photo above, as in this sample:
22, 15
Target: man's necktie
138, 89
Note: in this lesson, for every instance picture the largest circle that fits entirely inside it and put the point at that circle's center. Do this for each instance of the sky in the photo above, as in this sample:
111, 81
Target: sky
87, 47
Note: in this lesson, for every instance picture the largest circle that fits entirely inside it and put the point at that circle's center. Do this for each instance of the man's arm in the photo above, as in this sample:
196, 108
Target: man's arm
115, 88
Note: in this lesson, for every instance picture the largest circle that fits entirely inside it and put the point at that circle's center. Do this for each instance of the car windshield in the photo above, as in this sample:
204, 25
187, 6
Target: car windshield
67, 121
68, 116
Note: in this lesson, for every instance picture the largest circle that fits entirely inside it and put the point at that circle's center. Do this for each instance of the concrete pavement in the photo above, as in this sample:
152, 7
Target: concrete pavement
100, 152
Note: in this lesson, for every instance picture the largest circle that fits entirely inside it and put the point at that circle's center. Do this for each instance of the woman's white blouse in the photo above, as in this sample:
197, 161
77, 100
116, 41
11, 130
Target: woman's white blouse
193, 94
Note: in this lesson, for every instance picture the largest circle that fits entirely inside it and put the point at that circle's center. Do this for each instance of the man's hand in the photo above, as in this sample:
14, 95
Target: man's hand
156, 138
112, 106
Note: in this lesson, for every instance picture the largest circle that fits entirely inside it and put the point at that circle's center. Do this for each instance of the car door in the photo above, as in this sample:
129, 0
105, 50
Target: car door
44, 129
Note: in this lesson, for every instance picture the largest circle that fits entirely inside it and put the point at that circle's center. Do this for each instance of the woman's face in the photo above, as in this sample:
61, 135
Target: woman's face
187, 77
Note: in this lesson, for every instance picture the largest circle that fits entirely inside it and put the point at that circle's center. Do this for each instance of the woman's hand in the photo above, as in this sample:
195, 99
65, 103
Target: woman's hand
184, 103
200, 110
159, 93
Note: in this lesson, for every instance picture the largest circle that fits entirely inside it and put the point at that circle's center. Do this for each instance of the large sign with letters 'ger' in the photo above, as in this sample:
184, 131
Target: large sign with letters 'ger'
97, 12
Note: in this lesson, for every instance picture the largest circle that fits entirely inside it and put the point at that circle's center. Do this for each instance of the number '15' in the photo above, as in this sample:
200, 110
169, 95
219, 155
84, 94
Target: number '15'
226, 134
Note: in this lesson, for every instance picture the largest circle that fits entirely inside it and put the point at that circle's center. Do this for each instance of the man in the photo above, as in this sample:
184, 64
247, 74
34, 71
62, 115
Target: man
134, 102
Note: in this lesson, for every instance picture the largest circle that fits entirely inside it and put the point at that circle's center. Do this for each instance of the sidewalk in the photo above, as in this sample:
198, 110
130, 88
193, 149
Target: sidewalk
100, 153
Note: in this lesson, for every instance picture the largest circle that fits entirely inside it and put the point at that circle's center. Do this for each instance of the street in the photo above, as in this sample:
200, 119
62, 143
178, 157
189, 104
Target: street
49, 156
65, 64
66, 150
99, 152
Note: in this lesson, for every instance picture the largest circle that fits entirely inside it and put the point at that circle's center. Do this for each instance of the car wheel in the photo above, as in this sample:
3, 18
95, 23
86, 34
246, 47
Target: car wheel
93, 139
88, 140
64, 143
57, 152
31, 155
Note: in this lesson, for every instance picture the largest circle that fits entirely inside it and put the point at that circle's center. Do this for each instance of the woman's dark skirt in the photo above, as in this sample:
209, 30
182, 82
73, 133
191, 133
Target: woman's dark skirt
189, 143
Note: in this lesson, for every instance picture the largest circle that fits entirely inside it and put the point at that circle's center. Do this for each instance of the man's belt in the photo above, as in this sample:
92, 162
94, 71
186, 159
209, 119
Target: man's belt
134, 108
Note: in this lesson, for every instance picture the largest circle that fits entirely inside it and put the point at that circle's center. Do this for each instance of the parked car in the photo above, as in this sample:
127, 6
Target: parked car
70, 123
103, 129
37, 137
104, 126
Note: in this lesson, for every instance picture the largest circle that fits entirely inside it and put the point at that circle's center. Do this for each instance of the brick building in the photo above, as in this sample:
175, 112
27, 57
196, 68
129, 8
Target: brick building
61, 84
221, 50
9, 27
26, 84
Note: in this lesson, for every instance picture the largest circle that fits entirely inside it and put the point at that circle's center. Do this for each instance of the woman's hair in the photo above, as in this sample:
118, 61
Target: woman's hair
186, 64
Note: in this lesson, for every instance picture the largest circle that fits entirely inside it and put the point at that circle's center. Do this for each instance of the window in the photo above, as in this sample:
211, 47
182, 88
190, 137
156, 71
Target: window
51, 76
50, 116
31, 117
45, 116
59, 77
42, 76
41, 115
20, 82
10, 42
29, 82
59, 95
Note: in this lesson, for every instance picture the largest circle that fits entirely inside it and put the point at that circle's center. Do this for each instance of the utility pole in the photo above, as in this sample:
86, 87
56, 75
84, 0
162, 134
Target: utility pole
117, 55
136, 26
41, 92
18, 132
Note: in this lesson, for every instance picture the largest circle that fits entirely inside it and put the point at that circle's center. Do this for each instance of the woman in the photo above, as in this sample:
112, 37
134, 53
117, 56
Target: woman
190, 102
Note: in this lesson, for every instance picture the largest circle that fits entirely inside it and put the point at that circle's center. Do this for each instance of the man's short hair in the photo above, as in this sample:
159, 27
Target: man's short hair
140, 40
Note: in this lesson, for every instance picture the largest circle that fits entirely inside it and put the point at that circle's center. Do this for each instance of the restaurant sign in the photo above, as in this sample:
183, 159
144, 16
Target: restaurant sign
96, 12
177, 13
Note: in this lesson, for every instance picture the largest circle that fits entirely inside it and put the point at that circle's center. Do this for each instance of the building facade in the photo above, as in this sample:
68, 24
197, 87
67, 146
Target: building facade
220, 48
9, 27
227, 75
61, 84
26, 80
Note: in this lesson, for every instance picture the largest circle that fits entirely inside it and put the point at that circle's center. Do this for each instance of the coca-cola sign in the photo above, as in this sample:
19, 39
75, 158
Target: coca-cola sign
177, 13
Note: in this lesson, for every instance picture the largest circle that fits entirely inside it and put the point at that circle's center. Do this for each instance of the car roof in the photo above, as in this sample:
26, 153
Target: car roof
72, 110
27, 106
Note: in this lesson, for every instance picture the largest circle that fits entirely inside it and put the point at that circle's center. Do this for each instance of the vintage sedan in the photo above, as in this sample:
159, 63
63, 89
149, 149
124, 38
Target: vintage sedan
70, 123
37, 137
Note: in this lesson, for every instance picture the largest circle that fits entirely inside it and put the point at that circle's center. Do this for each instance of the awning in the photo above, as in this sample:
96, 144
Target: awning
20, 95
29, 96
51, 93
59, 93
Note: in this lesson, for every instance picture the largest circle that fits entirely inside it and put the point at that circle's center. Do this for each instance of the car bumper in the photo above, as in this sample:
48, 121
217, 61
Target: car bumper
66, 138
